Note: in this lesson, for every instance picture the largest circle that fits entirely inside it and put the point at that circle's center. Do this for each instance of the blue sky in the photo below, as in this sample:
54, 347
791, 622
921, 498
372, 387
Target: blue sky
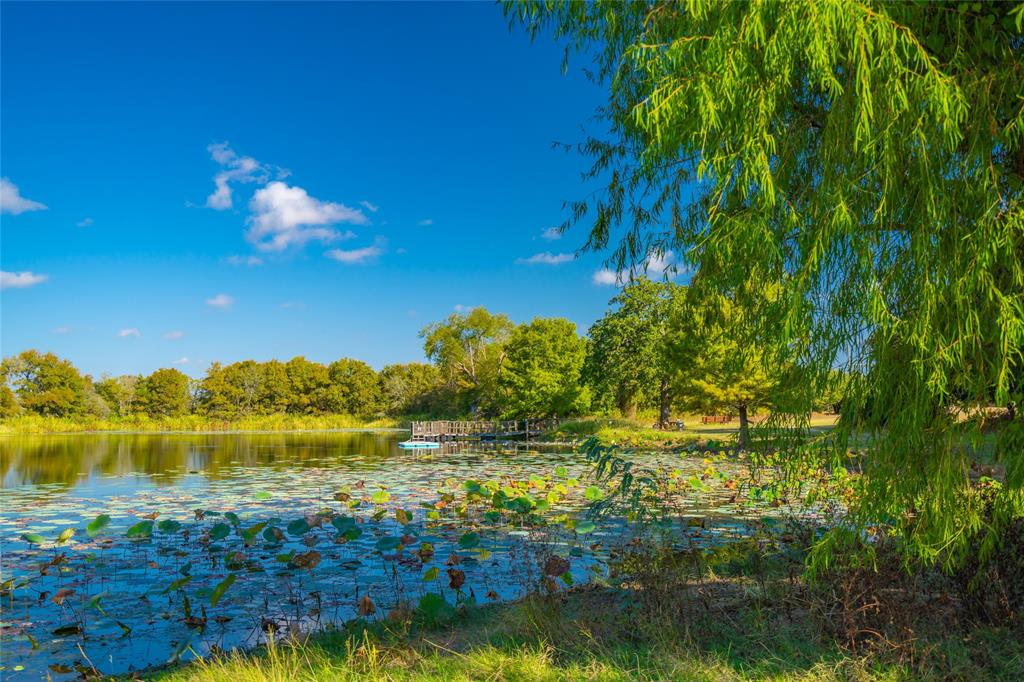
230, 181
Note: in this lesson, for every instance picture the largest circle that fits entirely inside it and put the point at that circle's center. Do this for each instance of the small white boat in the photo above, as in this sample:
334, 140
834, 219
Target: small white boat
419, 445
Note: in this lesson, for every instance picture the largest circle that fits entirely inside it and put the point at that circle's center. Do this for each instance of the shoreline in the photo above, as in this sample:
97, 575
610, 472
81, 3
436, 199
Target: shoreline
202, 432
265, 432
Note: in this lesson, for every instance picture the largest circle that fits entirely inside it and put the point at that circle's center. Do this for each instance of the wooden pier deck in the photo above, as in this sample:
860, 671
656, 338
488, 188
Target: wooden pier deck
482, 429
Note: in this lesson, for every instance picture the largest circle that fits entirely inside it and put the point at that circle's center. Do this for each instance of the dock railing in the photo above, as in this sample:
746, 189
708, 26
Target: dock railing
444, 429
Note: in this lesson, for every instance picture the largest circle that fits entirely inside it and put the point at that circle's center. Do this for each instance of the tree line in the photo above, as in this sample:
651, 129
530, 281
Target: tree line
660, 346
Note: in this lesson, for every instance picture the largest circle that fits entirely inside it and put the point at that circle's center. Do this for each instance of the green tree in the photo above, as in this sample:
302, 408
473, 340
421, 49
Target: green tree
627, 360
164, 393
543, 370
45, 384
119, 393
469, 349
354, 388
95, 404
866, 156
275, 395
9, 406
216, 394
720, 363
245, 388
309, 383
245, 380
411, 388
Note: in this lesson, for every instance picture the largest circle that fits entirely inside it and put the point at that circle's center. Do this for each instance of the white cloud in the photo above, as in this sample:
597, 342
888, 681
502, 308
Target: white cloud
62, 330
235, 169
551, 234
12, 202
660, 265
181, 361
546, 258
605, 277
244, 260
425, 222
222, 301
86, 222
283, 215
129, 332
20, 280
657, 266
174, 335
354, 256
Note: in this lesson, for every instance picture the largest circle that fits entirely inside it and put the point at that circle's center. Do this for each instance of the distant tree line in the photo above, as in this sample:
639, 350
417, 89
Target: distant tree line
660, 346
42, 383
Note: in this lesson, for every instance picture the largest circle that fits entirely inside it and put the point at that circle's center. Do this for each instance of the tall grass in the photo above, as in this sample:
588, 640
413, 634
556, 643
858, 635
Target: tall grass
589, 635
36, 424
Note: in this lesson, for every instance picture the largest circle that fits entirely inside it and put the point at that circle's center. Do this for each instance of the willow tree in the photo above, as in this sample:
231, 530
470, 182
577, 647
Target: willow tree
869, 158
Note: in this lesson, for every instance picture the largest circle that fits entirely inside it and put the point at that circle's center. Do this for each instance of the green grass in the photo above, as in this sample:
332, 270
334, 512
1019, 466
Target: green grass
640, 433
35, 424
636, 432
592, 634
620, 431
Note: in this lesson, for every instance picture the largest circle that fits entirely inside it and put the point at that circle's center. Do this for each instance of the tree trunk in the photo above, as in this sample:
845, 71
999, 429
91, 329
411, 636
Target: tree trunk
664, 416
744, 439
627, 403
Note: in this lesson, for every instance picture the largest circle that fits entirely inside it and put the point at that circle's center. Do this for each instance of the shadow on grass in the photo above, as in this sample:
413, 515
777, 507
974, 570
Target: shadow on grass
723, 630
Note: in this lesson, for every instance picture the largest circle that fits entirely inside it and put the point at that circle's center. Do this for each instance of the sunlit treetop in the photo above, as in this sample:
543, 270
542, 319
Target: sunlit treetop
867, 157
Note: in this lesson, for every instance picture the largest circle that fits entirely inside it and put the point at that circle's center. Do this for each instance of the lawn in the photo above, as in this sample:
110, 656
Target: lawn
641, 432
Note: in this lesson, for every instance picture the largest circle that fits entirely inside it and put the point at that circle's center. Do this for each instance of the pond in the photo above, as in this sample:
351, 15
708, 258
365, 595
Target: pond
123, 551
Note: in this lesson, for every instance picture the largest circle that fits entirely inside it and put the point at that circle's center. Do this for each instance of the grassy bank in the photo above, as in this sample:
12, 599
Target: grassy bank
623, 432
35, 424
722, 630
636, 432
639, 432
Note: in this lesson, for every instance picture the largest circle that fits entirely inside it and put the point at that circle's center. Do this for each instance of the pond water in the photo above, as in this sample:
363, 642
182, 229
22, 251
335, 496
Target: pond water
123, 551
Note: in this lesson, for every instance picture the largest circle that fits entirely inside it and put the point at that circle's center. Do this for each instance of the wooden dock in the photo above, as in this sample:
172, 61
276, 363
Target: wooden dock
481, 429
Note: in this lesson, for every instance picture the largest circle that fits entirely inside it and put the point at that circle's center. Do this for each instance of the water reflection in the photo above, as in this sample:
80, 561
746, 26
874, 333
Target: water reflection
68, 460
275, 481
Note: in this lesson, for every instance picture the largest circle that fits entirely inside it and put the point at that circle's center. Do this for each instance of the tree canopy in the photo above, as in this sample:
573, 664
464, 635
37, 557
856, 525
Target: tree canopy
469, 349
721, 364
119, 392
354, 388
412, 388
868, 158
45, 384
628, 364
534, 369
543, 371
165, 393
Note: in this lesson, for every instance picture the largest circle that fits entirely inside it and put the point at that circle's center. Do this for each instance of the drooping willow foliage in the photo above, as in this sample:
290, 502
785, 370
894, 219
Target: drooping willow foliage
866, 157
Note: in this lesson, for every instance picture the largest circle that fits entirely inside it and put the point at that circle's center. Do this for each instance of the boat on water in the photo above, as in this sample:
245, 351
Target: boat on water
419, 445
